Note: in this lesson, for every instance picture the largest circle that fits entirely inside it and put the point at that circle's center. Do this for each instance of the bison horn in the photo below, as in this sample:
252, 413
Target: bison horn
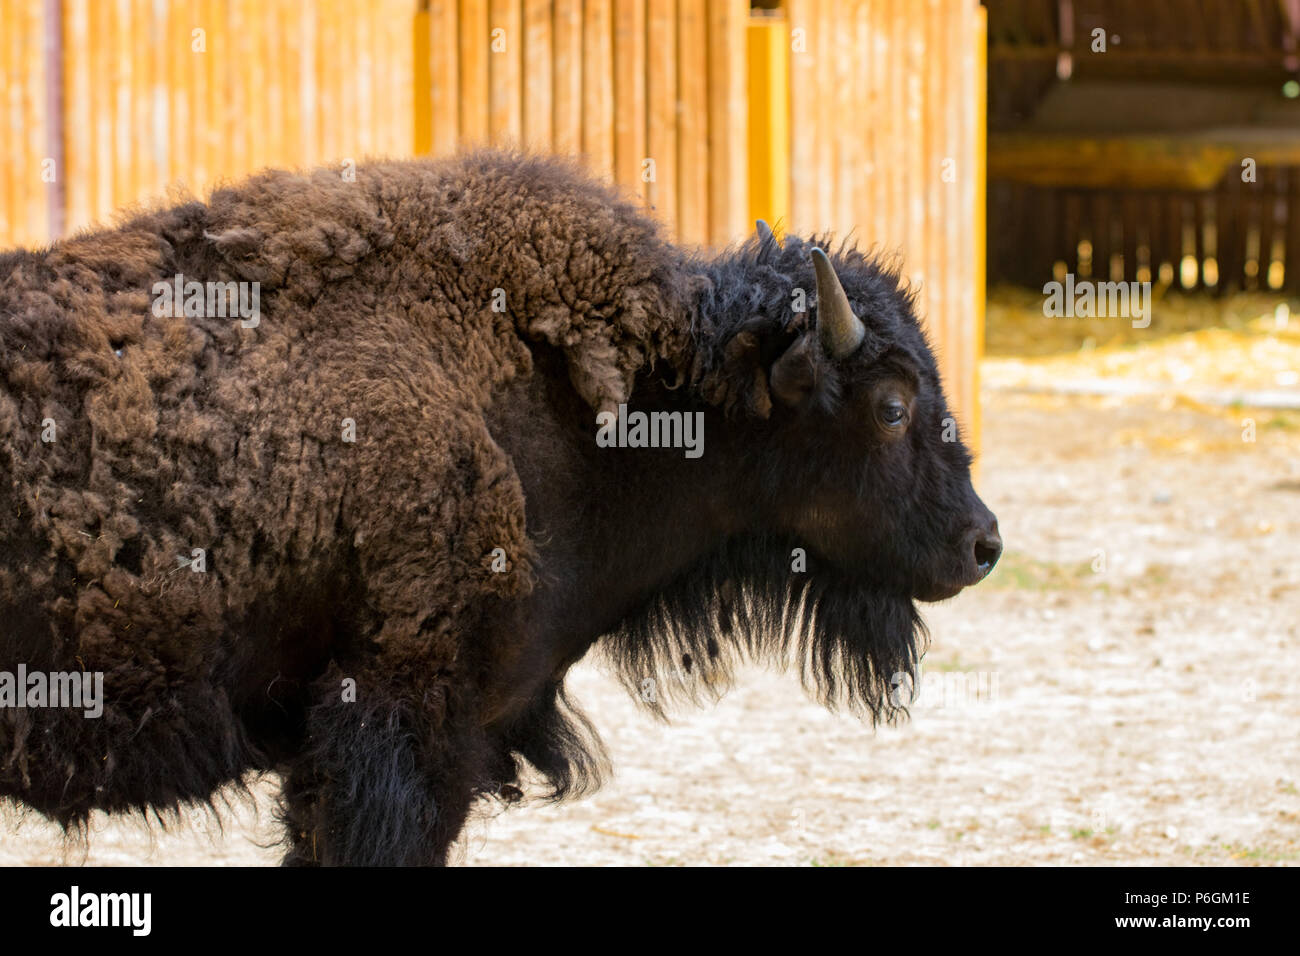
841, 330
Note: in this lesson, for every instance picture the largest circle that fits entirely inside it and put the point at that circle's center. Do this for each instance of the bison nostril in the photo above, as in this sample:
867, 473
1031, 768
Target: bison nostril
988, 548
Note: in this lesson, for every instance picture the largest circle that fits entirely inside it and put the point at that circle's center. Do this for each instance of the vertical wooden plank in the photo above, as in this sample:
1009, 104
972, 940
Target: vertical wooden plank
917, 166
979, 228
307, 96
78, 126
277, 45
1291, 267
826, 28
877, 224
327, 97
351, 74
935, 194
394, 101
804, 181
444, 76
728, 121
693, 122
35, 216
99, 160
958, 213
846, 97
291, 142
10, 160
423, 82
1101, 232
894, 121
211, 123
1230, 233
629, 93
122, 65
538, 78
597, 87
661, 109
1173, 228
225, 43
769, 120
505, 69
866, 66
1267, 225
566, 127
143, 180
474, 82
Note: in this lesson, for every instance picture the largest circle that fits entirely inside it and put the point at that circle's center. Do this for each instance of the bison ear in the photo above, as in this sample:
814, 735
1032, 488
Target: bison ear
796, 374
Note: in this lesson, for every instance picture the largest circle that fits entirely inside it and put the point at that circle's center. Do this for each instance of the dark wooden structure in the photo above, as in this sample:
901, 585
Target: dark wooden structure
1145, 141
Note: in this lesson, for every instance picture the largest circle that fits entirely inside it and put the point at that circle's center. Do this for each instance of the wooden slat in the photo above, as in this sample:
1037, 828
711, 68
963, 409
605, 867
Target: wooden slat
597, 86
977, 51
308, 101
539, 80
122, 64
937, 140
27, 123
99, 158
804, 118
394, 101
693, 122
629, 93
847, 148
769, 120
505, 113
78, 130
444, 76
728, 121
474, 53
1292, 263
661, 108
566, 128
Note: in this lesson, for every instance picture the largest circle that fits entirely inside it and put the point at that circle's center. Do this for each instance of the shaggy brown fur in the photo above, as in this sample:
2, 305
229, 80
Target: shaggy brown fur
330, 561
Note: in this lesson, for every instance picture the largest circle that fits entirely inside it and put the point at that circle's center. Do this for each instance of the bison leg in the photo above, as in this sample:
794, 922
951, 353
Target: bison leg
378, 783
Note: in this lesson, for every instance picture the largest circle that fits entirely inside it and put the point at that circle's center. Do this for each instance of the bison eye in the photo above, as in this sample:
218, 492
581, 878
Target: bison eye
893, 413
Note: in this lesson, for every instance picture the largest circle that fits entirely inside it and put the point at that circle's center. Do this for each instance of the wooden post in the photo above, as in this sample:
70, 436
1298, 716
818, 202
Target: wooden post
769, 120
661, 109
693, 122
728, 121
505, 41
629, 93
538, 78
597, 87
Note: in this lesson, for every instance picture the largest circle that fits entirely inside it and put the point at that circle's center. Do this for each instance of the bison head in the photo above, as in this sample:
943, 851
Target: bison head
856, 395
847, 493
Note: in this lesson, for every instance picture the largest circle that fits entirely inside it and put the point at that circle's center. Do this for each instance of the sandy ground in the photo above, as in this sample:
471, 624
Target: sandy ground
1124, 689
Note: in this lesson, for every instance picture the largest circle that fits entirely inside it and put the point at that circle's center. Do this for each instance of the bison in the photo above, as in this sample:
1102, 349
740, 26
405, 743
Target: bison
445, 427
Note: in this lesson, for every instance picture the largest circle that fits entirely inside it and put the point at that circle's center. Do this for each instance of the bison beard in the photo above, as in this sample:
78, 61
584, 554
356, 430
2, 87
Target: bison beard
742, 604
375, 561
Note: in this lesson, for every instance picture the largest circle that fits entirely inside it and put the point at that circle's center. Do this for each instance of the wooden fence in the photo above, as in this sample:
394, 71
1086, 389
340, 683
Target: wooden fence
1236, 236
651, 92
860, 116
183, 93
